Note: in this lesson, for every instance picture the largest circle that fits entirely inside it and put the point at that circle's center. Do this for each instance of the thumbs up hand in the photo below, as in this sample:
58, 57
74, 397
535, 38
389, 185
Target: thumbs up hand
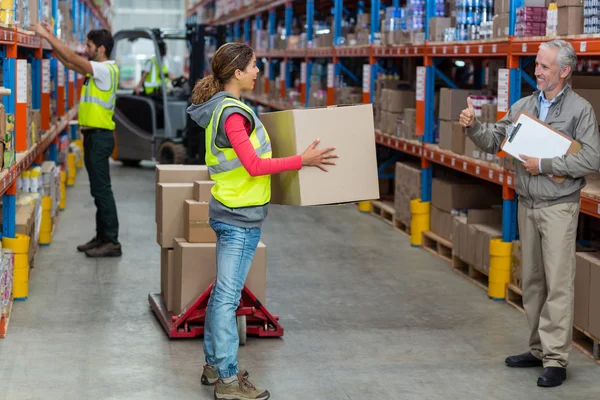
467, 116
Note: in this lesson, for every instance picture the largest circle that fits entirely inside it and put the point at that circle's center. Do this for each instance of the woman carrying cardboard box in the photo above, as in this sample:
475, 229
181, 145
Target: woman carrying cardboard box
238, 156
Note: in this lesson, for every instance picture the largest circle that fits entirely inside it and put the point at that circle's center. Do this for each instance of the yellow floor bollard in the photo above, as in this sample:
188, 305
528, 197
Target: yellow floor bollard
420, 220
63, 190
20, 247
500, 265
46, 225
72, 170
364, 206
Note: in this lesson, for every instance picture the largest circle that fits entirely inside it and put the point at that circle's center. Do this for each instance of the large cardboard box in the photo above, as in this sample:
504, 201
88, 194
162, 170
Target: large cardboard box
453, 101
202, 190
471, 149
395, 101
442, 223
437, 26
594, 314
570, 21
178, 173
485, 233
582, 290
452, 137
448, 195
166, 277
170, 208
195, 223
350, 130
194, 266
460, 237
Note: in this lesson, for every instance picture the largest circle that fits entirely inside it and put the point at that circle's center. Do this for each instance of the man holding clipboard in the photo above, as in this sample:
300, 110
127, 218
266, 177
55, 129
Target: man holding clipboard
548, 208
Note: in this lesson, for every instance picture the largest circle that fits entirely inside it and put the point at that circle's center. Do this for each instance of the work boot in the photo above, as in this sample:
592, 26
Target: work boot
106, 249
525, 360
552, 377
92, 244
240, 389
209, 375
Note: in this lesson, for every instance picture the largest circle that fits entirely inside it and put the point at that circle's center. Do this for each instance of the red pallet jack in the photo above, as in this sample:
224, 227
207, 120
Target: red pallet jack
252, 317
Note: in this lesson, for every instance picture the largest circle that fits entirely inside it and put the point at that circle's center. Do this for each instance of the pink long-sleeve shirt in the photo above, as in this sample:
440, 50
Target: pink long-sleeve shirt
238, 130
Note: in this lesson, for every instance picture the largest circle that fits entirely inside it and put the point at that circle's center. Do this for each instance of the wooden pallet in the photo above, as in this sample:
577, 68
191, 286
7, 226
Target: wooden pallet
401, 227
587, 343
469, 272
514, 297
438, 246
384, 211
4, 320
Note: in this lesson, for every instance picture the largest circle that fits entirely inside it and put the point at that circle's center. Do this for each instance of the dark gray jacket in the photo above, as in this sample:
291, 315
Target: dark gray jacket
569, 114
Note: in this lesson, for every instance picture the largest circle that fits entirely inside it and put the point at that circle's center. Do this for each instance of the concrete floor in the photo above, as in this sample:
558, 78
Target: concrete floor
366, 317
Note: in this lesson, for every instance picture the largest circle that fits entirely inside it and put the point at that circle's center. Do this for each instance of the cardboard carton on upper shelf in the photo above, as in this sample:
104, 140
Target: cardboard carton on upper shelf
570, 21
350, 129
453, 101
397, 100
452, 137
569, 3
437, 26
194, 269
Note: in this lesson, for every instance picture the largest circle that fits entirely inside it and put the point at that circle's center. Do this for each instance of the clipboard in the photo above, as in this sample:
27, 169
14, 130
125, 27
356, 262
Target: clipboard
572, 148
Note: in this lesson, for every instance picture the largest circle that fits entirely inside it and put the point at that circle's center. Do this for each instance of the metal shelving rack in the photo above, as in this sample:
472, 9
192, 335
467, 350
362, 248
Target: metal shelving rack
19, 48
514, 50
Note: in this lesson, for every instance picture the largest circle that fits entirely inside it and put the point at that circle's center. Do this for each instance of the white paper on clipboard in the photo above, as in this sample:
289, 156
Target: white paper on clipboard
527, 136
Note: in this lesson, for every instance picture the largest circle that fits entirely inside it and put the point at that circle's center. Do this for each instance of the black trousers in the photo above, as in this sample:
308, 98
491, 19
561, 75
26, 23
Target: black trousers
98, 145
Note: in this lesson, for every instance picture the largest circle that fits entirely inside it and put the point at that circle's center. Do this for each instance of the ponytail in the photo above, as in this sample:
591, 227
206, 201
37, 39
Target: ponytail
206, 88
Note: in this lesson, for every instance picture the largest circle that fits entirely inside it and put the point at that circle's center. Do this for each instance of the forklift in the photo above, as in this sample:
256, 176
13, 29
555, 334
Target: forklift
156, 126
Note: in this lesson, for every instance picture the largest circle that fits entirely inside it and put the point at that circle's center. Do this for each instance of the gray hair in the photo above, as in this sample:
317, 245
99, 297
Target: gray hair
566, 54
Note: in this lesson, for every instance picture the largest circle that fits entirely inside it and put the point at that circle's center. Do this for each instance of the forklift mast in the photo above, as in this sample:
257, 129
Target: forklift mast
197, 35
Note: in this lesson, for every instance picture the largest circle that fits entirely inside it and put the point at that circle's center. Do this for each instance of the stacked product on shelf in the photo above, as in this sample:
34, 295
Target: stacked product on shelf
317, 96
390, 104
452, 102
591, 13
531, 21
407, 188
188, 264
501, 19
474, 19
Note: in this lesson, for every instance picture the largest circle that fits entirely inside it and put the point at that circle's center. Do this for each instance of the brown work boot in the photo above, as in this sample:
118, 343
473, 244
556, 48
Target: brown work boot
106, 249
240, 389
92, 244
209, 375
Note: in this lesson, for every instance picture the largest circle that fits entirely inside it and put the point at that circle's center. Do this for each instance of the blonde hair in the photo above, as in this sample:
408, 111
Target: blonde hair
229, 58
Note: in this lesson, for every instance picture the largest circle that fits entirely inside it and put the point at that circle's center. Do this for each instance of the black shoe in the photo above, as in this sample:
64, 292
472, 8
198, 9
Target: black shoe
92, 244
106, 249
525, 360
552, 377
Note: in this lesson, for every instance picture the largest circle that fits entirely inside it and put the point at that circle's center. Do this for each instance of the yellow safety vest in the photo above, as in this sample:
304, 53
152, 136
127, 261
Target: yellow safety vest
234, 187
152, 81
96, 106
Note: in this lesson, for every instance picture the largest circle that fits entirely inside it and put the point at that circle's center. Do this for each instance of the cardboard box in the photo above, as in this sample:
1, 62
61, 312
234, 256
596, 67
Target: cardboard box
448, 195
350, 130
459, 236
570, 21
166, 277
569, 3
194, 269
471, 150
582, 290
396, 101
437, 26
195, 223
594, 313
516, 274
485, 233
585, 82
445, 136
202, 190
407, 188
501, 6
170, 207
500, 25
442, 223
593, 97
177, 173
453, 101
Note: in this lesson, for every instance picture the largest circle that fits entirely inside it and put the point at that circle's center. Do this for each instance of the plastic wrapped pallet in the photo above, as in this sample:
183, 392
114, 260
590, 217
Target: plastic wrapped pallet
408, 187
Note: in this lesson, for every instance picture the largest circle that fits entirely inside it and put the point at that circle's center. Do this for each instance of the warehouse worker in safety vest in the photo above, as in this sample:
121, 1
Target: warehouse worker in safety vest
150, 80
238, 156
96, 109
548, 211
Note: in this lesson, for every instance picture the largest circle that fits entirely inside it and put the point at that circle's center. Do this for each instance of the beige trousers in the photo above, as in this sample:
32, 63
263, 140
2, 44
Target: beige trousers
547, 238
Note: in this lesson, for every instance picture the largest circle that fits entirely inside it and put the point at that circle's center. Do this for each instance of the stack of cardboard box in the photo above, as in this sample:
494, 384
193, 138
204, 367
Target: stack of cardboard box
587, 293
472, 234
437, 28
451, 133
407, 188
570, 17
188, 243
501, 19
407, 127
348, 95
393, 103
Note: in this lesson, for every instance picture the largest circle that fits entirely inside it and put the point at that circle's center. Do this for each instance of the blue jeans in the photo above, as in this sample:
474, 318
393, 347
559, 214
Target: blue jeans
235, 252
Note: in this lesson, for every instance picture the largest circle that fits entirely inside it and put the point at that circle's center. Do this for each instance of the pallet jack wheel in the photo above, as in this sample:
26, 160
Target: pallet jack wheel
241, 327
171, 153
